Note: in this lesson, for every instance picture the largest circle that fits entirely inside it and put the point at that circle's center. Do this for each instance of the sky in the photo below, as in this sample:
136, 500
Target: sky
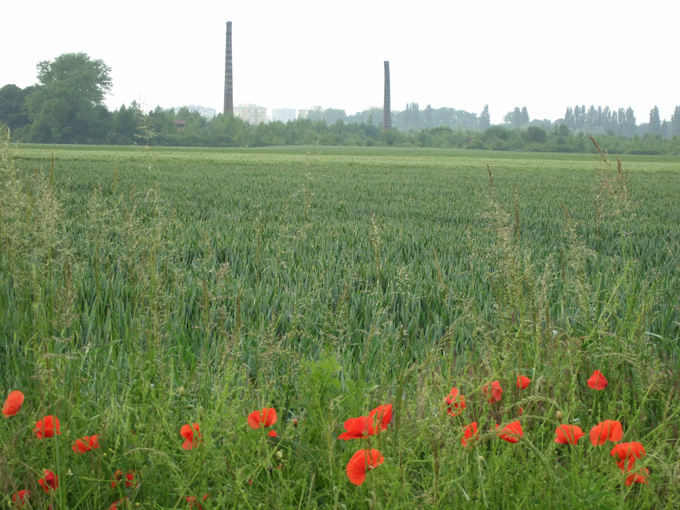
545, 55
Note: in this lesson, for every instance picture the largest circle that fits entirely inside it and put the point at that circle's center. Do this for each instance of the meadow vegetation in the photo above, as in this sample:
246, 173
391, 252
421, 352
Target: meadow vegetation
146, 292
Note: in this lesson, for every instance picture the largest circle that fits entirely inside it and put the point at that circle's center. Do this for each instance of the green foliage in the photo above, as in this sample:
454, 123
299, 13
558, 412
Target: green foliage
136, 298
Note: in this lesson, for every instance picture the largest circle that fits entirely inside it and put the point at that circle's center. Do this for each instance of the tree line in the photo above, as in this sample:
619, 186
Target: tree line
67, 106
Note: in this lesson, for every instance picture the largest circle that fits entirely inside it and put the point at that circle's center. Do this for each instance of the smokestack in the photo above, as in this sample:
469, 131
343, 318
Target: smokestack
387, 114
228, 77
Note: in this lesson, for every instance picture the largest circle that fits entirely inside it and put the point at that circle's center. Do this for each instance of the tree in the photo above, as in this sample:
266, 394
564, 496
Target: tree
485, 118
654, 121
13, 107
675, 121
67, 105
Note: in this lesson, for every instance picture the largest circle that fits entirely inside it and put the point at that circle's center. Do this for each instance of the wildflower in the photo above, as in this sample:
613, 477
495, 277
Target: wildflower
381, 416
129, 478
13, 403
511, 433
264, 418
638, 477
470, 434
455, 401
496, 392
568, 434
523, 382
361, 462
47, 427
114, 506
608, 430
51, 481
597, 381
271, 433
86, 444
357, 428
629, 452
193, 503
20, 497
191, 439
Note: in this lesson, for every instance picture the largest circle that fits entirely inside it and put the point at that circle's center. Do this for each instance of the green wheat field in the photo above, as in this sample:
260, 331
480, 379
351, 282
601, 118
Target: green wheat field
144, 289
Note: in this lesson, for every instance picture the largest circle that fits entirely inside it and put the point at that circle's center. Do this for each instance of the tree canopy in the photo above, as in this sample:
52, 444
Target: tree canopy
68, 103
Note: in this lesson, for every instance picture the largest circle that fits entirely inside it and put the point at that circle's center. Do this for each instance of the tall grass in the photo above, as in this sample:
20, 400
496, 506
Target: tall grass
136, 298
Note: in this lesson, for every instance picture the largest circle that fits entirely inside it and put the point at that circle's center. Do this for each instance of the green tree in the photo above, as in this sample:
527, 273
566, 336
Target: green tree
67, 105
654, 121
13, 106
675, 121
485, 118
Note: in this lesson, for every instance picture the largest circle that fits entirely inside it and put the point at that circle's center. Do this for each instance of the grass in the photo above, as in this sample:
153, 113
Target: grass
145, 289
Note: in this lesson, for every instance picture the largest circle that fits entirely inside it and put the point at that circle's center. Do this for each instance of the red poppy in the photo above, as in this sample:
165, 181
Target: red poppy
357, 428
470, 434
639, 477
114, 506
607, 430
20, 497
629, 452
361, 462
381, 416
522, 382
511, 433
264, 418
597, 381
13, 403
47, 427
51, 481
271, 433
496, 392
191, 439
86, 444
568, 434
129, 478
193, 502
456, 402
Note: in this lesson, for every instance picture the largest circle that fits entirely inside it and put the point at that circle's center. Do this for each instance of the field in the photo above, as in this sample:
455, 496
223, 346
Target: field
144, 289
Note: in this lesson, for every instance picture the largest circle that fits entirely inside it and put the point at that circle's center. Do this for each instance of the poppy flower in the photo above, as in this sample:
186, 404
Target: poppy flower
607, 430
194, 504
381, 416
522, 382
13, 403
191, 439
597, 381
129, 478
470, 434
496, 392
455, 401
51, 481
264, 418
20, 497
639, 477
47, 427
357, 428
361, 462
511, 433
568, 434
114, 506
271, 433
85, 444
628, 452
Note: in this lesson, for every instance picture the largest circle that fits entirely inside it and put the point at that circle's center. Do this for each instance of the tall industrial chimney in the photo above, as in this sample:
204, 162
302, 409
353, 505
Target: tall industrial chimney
387, 114
228, 77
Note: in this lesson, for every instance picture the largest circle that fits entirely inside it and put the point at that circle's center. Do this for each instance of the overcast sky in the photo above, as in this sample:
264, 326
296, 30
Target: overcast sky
545, 55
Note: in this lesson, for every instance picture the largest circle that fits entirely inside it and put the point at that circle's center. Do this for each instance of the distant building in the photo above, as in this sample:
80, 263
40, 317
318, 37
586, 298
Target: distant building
283, 114
180, 124
251, 113
305, 114
204, 111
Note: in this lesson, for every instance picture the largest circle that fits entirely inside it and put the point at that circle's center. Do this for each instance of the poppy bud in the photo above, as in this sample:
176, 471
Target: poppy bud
279, 454
559, 416
182, 391
480, 459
